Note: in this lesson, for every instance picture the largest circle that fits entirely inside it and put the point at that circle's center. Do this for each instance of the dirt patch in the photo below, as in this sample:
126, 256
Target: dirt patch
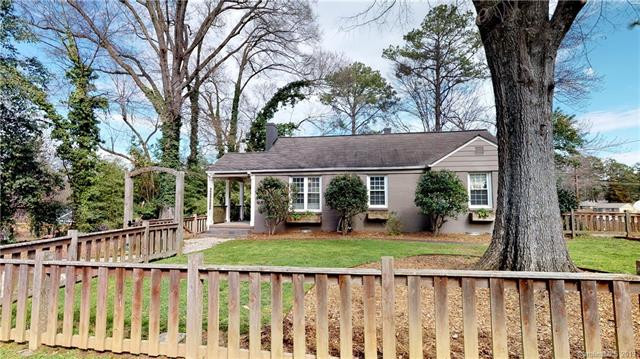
418, 236
545, 345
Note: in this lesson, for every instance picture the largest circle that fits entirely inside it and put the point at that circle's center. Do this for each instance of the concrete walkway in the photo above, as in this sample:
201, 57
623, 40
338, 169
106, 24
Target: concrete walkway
200, 244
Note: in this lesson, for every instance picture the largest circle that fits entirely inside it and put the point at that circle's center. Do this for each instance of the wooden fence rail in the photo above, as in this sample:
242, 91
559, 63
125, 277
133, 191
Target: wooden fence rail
627, 224
133, 244
197, 311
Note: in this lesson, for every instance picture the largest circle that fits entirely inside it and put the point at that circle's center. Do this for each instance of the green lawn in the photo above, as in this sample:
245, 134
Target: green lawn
605, 254
323, 252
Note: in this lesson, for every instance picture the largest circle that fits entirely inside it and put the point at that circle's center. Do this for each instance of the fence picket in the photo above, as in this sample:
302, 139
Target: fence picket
52, 315
590, 318
388, 309
346, 326
528, 319
85, 307
624, 322
322, 322
233, 331
154, 313
414, 314
35, 330
136, 310
7, 302
213, 316
118, 311
277, 349
299, 344
21, 306
69, 293
559, 325
470, 318
101, 308
369, 304
498, 318
194, 306
173, 317
255, 293
443, 336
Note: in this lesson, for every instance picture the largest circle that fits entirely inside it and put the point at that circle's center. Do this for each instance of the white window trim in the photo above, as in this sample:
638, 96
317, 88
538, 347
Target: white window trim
489, 190
306, 194
386, 192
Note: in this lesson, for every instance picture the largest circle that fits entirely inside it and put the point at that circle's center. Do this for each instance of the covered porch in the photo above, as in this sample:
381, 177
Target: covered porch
229, 205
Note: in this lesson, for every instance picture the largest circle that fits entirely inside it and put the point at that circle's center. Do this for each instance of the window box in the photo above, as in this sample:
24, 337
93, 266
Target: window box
482, 216
377, 215
307, 217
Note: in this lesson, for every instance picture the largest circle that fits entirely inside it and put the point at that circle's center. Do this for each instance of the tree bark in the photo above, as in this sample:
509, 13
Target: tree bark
521, 45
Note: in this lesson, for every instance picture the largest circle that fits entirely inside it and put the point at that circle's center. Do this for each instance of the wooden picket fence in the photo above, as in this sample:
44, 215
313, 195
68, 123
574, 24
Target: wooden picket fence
195, 224
627, 224
133, 244
120, 307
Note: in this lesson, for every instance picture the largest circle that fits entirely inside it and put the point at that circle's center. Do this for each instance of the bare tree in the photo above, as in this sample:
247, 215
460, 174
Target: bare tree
155, 43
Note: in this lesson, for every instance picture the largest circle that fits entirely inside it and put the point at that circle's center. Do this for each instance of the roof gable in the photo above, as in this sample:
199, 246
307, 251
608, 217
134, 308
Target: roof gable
400, 150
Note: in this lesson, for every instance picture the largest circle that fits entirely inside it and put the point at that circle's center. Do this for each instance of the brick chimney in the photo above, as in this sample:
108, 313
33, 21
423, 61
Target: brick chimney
386, 130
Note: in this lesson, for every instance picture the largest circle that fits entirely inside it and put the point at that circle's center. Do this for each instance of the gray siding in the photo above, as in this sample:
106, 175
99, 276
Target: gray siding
466, 160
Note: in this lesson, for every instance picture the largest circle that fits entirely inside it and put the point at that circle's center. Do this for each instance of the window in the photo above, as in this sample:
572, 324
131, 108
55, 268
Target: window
307, 197
377, 186
480, 190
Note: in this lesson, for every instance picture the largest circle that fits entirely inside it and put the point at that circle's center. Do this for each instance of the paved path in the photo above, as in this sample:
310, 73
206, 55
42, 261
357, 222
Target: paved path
200, 244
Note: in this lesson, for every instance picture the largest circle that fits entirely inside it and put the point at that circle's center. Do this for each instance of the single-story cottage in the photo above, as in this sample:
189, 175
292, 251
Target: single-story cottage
389, 163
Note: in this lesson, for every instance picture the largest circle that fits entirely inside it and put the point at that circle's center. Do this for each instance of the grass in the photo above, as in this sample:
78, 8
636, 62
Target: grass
605, 253
323, 252
601, 253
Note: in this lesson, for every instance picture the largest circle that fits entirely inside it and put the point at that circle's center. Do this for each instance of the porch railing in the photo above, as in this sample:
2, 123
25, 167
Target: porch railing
197, 311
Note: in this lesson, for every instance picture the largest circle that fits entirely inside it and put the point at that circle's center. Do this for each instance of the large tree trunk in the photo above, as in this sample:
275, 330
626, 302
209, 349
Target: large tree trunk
521, 47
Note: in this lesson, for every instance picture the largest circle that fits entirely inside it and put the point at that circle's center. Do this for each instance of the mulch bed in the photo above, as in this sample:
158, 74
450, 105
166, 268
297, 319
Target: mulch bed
455, 317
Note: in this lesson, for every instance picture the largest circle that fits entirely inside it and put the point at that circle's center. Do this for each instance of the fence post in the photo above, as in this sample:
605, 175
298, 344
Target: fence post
573, 225
627, 223
72, 253
638, 267
194, 224
194, 306
388, 309
145, 241
35, 332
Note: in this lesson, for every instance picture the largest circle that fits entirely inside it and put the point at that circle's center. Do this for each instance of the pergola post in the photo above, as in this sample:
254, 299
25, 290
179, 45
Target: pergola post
227, 200
242, 200
179, 209
210, 192
128, 199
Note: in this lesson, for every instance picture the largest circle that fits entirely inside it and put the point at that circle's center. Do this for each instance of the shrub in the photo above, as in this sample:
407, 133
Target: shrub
566, 200
440, 194
347, 194
393, 225
273, 196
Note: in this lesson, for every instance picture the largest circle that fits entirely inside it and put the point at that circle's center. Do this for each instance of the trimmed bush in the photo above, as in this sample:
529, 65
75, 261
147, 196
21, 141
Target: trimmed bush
347, 194
440, 194
274, 204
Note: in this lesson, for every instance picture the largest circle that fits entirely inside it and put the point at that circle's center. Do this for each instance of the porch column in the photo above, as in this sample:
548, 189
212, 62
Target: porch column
242, 200
252, 218
210, 188
227, 200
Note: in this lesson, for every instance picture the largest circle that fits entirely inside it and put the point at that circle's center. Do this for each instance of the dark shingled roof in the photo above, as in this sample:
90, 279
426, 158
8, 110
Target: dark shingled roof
359, 151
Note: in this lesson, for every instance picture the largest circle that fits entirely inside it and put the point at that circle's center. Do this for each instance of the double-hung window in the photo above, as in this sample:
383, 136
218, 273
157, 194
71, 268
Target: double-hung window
480, 190
377, 187
307, 193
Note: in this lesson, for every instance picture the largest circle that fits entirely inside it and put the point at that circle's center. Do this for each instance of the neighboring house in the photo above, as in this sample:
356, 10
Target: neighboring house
390, 164
606, 207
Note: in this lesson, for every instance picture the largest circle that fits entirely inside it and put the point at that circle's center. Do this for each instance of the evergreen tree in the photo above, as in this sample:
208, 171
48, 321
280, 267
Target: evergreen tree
79, 134
26, 182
